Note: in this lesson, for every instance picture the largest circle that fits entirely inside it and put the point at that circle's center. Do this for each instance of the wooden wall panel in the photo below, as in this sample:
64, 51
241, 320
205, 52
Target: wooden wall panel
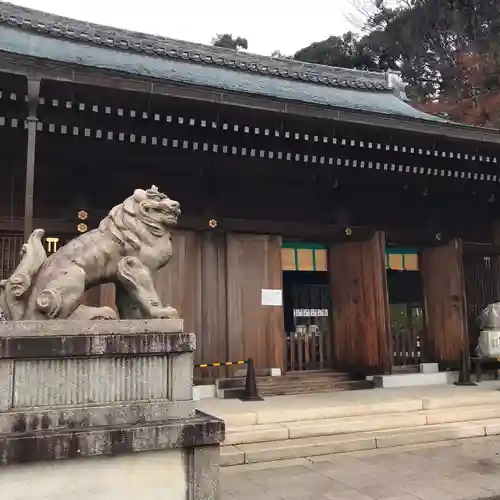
253, 264
92, 297
212, 342
361, 337
178, 283
107, 295
194, 283
99, 296
444, 302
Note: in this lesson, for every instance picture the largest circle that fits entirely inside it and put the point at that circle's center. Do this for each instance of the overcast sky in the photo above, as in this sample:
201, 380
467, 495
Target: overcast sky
267, 24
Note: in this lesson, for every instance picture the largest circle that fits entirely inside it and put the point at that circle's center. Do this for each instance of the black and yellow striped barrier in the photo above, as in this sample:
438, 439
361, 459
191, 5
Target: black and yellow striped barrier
222, 363
250, 393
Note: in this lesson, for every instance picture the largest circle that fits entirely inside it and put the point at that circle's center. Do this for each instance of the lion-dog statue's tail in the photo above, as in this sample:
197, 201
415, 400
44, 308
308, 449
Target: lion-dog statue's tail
14, 289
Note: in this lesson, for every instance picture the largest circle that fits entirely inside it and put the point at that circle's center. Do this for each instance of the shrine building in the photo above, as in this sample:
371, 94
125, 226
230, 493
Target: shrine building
327, 224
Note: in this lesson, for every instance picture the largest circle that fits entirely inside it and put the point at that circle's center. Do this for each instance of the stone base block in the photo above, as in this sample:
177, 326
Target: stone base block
155, 475
103, 409
81, 363
169, 474
176, 459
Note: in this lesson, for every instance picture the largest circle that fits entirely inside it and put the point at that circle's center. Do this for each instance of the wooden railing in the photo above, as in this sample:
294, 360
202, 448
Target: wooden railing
406, 347
407, 329
309, 349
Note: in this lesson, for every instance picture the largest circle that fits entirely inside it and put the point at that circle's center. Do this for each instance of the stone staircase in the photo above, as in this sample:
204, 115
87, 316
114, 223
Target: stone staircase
302, 432
292, 383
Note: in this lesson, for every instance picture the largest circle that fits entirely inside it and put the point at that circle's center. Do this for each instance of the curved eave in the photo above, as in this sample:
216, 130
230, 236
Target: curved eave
383, 109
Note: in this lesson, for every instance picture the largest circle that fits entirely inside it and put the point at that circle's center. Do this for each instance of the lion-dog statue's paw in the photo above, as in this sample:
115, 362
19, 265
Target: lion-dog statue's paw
163, 313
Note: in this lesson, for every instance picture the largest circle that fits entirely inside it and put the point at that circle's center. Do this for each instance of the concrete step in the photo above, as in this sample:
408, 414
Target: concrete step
415, 379
297, 388
292, 383
462, 414
348, 385
243, 434
312, 377
453, 401
314, 413
314, 428
293, 432
354, 441
406, 369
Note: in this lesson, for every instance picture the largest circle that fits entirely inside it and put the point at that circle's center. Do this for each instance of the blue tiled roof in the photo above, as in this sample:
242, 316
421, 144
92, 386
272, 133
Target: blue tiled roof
31, 33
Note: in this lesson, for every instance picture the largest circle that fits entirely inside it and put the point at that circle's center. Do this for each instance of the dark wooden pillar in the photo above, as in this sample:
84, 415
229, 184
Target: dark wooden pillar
444, 303
361, 326
33, 97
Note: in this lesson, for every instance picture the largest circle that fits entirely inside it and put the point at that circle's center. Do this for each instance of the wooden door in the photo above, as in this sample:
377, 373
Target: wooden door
254, 330
361, 340
444, 303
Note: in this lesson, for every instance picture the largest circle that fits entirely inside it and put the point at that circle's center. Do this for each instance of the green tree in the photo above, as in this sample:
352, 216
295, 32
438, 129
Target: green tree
447, 51
346, 51
227, 41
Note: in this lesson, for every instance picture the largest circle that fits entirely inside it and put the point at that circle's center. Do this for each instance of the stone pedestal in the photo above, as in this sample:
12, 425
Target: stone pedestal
103, 409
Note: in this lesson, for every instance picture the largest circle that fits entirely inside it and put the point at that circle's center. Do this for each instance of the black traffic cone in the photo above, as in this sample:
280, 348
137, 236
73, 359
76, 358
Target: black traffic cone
250, 393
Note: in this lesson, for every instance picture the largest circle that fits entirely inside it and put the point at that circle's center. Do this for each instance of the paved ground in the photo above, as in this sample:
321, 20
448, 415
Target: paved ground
460, 470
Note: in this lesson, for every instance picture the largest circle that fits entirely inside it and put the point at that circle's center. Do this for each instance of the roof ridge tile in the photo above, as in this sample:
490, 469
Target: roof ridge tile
85, 32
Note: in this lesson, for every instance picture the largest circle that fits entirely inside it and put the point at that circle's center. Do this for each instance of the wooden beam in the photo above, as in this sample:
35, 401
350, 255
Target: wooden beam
122, 81
53, 227
33, 96
486, 249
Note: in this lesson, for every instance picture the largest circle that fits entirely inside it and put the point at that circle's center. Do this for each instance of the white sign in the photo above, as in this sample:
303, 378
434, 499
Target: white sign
272, 297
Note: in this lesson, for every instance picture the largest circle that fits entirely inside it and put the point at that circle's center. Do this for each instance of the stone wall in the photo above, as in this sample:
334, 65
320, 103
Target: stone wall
113, 396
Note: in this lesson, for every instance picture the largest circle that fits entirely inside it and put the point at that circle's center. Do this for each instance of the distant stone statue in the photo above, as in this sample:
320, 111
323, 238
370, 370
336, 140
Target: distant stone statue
489, 317
127, 248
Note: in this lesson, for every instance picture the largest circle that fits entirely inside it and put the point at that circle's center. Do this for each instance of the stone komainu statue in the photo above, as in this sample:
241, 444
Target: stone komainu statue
127, 248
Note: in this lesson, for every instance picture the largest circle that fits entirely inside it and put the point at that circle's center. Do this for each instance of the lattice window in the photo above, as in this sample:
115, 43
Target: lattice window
10, 248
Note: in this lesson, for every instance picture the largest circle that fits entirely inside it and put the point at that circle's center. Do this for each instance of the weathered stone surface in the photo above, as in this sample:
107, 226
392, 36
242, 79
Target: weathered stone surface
35, 446
127, 248
97, 338
204, 473
6, 383
69, 327
78, 381
124, 414
116, 373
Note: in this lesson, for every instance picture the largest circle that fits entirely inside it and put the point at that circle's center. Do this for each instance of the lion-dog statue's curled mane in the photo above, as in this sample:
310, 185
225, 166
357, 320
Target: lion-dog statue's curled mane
131, 243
